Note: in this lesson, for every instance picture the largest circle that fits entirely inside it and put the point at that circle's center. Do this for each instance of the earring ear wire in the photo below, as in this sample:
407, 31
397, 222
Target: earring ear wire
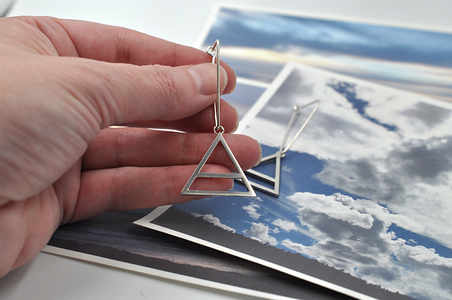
214, 51
276, 180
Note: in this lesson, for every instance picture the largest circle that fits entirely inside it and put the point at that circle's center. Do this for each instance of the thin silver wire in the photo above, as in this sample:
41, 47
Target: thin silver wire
280, 153
214, 51
239, 175
296, 111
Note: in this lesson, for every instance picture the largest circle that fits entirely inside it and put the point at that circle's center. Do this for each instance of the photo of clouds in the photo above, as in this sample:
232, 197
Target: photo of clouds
365, 200
365, 190
257, 44
114, 237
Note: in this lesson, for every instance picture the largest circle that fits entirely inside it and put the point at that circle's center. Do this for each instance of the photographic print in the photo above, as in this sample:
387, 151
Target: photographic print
112, 239
346, 191
364, 205
257, 44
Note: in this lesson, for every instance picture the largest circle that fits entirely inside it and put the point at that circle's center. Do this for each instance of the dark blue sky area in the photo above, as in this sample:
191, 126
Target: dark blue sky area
277, 32
349, 92
420, 240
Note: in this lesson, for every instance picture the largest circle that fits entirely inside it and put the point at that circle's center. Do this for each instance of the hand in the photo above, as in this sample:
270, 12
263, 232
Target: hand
62, 84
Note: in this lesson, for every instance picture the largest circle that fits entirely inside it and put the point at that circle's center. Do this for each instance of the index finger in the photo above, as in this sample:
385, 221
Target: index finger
119, 45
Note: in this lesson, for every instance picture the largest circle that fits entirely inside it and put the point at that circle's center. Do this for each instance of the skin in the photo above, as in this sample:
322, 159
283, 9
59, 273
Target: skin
62, 84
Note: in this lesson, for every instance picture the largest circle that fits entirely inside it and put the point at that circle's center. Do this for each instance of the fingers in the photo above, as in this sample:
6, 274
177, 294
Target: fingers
118, 45
203, 121
132, 188
26, 227
146, 148
158, 81
119, 93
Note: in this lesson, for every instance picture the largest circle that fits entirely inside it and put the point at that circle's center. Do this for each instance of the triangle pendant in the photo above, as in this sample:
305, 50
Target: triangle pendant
274, 181
239, 175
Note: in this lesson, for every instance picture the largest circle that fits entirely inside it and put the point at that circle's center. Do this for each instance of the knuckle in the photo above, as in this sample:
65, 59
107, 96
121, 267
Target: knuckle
167, 90
121, 143
189, 148
168, 81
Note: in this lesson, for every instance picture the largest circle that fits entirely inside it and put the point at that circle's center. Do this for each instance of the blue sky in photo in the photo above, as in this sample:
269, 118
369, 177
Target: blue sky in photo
272, 31
366, 188
230, 209
356, 213
347, 90
409, 59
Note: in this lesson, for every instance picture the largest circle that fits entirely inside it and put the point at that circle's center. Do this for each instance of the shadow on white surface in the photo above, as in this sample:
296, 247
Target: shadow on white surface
52, 277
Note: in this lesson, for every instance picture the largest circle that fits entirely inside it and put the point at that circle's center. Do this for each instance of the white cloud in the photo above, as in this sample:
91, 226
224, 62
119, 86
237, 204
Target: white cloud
335, 123
370, 252
415, 271
214, 220
287, 168
420, 75
285, 225
251, 209
405, 174
417, 205
333, 206
260, 232
428, 256
363, 157
305, 250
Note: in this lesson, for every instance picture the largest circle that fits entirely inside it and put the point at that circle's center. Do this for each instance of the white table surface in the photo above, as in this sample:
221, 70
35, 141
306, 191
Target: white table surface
53, 277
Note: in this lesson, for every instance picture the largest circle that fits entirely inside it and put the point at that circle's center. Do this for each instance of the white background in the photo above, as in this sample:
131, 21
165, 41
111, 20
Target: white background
51, 277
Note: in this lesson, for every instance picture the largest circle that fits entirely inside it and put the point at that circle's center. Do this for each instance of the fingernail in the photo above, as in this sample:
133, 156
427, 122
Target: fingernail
236, 123
205, 76
233, 88
260, 157
232, 187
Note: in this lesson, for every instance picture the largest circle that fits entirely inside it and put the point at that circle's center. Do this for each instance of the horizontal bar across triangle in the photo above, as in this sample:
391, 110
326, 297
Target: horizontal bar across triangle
239, 175
274, 181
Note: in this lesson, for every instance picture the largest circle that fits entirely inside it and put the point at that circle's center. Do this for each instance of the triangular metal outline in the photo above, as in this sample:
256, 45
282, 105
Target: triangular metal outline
280, 154
275, 181
239, 175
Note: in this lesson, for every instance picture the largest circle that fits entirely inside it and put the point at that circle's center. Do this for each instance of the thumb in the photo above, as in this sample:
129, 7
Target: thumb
122, 93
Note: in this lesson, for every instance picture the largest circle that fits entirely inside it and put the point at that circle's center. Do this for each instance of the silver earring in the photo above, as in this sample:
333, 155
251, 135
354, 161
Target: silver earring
214, 51
275, 181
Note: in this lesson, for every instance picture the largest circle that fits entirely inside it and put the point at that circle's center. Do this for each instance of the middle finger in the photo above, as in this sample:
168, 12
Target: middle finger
152, 148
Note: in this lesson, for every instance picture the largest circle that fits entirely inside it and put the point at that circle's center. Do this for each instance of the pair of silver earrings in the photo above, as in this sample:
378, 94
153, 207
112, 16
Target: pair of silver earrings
239, 176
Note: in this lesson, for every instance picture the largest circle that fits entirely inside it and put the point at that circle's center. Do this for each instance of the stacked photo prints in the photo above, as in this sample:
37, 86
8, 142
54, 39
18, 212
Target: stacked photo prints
361, 207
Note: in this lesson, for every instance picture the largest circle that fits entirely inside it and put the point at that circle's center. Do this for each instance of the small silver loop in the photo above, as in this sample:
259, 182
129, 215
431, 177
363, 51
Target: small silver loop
218, 129
214, 51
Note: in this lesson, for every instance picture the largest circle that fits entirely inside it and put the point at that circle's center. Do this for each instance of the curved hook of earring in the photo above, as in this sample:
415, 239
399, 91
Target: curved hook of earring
214, 51
296, 111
